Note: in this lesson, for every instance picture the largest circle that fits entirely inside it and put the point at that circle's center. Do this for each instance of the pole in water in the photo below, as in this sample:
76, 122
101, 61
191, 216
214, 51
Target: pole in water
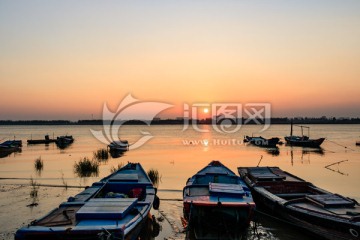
259, 161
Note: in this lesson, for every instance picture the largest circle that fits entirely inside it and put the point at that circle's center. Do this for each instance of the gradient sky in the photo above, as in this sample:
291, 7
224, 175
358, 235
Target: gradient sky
65, 59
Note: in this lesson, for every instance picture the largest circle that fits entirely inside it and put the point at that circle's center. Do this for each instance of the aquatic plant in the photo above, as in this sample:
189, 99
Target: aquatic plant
34, 188
114, 169
86, 168
39, 164
154, 176
101, 154
63, 180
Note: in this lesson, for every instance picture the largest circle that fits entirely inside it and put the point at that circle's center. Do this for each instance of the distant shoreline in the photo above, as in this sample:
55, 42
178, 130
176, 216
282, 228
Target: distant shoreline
243, 121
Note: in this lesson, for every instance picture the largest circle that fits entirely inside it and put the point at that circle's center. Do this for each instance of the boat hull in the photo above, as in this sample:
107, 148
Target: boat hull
217, 200
116, 207
262, 142
312, 143
302, 208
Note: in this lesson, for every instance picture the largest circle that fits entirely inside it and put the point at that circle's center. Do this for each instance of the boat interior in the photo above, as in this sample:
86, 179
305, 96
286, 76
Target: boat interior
295, 192
117, 199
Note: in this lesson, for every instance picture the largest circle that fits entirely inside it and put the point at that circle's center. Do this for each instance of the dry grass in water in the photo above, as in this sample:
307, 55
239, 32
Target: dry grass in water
114, 169
39, 164
34, 188
101, 154
86, 167
154, 176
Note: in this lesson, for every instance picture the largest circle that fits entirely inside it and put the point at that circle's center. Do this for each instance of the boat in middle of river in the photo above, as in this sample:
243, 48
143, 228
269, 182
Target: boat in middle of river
216, 201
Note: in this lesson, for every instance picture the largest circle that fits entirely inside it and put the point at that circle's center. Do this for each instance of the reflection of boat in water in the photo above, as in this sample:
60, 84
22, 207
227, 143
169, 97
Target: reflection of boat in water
119, 146
46, 140
64, 141
216, 200
303, 141
262, 142
284, 195
116, 207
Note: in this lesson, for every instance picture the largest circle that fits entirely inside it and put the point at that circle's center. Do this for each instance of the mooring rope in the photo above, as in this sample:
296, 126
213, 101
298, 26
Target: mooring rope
340, 145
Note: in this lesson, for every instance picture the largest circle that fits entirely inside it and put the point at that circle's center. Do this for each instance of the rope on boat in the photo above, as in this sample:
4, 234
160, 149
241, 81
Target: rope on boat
340, 145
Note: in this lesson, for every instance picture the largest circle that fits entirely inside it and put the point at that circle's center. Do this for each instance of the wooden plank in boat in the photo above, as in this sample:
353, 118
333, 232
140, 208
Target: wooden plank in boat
264, 174
224, 188
106, 208
124, 178
330, 200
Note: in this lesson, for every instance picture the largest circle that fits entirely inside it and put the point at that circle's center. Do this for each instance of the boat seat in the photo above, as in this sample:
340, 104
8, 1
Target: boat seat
291, 195
106, 208
124, 178
265, 174
220, 189
330, 200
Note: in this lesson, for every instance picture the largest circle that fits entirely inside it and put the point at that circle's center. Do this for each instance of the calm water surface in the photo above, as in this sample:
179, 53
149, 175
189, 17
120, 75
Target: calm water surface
171, 153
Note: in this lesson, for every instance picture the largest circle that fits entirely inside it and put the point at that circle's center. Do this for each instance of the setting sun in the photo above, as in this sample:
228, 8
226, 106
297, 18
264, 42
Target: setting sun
206, 110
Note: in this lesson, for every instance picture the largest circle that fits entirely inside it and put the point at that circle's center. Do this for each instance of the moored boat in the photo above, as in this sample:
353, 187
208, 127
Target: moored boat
46, 140
64, 141
262, 142
216, 199
357, 143
116, 207
281, 194
10, 146
119, 146
303, 140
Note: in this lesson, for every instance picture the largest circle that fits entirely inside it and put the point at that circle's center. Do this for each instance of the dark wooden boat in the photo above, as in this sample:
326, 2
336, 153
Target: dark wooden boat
119, 146
64, 141
10, 146
357, 143
216, 200
46, 140
116, 207
262, 142
328, 215
303, 140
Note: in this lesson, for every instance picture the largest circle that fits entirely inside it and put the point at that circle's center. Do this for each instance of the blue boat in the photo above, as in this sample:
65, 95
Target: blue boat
216, 201
116, 207
10, 146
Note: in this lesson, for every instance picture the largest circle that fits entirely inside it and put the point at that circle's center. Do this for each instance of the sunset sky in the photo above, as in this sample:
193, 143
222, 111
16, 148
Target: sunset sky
65, 59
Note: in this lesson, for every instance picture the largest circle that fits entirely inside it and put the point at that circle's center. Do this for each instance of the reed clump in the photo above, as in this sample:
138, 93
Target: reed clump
101, 154
114, 169
34, 188
39, 164
154, 176
86, 167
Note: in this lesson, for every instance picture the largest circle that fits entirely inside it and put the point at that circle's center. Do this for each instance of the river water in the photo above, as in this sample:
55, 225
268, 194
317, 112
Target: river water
178, 154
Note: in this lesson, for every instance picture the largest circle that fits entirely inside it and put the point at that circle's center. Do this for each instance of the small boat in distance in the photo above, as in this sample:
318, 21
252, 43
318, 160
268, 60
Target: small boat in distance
357, 143
281, 194
10, 146
46, 140
64, 141
262, 142
216, 201
116, 207
119, 146
303, 141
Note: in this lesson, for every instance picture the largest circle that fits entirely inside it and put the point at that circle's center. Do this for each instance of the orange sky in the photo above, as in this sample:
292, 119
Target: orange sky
64, 60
